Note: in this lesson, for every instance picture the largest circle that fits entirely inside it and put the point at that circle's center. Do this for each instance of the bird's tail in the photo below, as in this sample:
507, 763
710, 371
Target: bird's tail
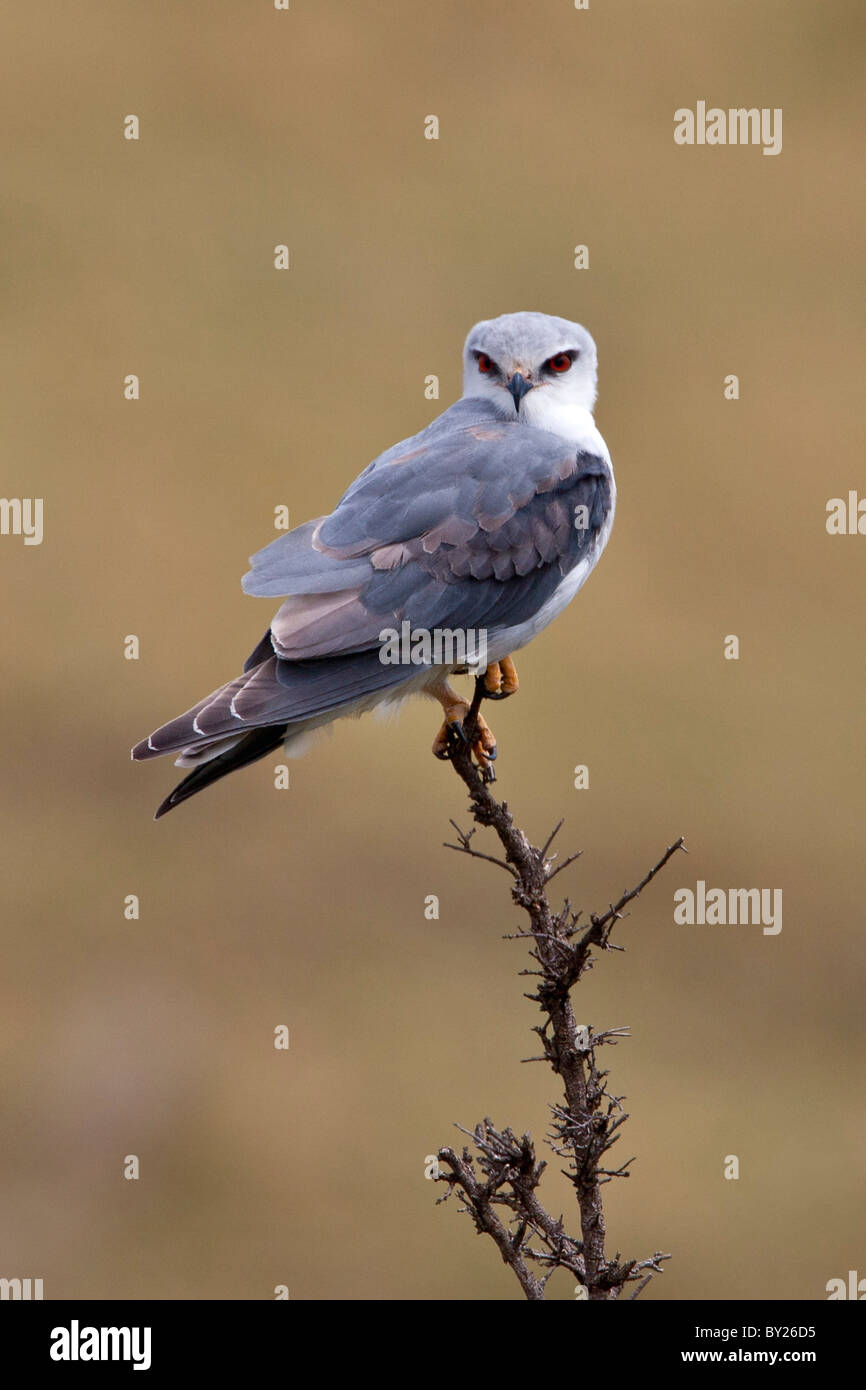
246, 750
253, 714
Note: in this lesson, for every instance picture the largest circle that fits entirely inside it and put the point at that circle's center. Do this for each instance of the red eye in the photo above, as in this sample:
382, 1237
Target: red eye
484, 363
561, 362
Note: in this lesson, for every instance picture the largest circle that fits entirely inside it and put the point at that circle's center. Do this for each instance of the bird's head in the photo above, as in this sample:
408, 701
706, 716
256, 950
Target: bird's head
534, 364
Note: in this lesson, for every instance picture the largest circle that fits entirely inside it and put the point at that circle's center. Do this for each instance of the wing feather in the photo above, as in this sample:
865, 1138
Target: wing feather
453, 523
470, 524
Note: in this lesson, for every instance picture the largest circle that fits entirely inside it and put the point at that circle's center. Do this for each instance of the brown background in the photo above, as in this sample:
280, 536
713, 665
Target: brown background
306, 907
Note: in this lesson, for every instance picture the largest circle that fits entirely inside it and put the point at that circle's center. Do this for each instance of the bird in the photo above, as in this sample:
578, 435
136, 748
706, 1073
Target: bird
489, 521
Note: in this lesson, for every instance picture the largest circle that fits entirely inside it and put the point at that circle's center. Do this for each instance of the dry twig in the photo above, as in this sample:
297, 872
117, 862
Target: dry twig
498, 1182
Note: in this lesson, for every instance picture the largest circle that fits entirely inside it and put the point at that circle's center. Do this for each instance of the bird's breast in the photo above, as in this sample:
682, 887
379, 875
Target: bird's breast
511, 639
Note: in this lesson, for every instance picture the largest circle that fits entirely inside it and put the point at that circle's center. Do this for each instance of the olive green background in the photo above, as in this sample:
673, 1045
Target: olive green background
306, 907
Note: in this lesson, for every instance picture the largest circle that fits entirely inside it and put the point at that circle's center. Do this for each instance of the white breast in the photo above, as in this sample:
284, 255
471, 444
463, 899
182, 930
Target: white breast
546, 411
578, 427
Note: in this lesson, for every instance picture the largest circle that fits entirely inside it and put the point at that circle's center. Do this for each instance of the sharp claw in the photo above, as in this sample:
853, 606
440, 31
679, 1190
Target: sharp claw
492, 694
453, 735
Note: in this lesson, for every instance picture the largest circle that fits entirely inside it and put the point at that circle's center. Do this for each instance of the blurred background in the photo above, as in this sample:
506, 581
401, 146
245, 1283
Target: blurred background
306, 907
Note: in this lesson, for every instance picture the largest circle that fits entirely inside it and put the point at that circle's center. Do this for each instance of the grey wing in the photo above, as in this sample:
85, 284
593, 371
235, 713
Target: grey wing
467, 527
474, 527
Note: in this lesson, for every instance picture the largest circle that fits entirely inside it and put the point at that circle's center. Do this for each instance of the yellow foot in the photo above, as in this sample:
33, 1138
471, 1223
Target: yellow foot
484, 746
510, 683
500, 679
493, 679
455, 713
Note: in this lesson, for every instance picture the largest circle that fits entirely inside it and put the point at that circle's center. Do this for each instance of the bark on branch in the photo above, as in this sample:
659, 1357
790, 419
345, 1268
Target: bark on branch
498, 1182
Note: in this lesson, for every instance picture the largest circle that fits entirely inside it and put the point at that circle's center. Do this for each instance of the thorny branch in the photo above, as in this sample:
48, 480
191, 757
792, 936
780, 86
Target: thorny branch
498, 1183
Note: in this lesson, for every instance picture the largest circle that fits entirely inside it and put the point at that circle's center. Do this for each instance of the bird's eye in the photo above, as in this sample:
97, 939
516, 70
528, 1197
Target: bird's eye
561, 362
485, 363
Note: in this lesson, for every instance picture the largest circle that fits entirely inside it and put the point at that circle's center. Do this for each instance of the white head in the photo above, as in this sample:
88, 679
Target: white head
534, 364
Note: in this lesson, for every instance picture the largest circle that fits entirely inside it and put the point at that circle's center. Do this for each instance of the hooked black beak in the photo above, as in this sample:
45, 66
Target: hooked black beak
518, 386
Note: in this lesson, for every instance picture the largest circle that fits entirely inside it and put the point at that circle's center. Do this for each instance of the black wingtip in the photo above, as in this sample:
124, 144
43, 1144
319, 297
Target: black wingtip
257, 744
176, 796
196, 781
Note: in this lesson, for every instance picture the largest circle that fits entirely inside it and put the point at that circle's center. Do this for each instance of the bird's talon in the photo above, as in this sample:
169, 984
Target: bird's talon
499, 680
491, 681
